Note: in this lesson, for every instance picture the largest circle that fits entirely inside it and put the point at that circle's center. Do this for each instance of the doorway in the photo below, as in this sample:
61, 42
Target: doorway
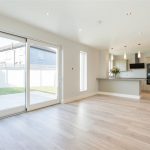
43, 73
12, 74
29, 75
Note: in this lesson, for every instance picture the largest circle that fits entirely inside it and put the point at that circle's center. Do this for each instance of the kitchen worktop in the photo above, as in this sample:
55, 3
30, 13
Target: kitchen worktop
127, 79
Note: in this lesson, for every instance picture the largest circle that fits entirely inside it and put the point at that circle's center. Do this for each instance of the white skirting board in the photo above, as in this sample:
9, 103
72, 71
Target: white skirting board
120, 95
136, 97
78, 97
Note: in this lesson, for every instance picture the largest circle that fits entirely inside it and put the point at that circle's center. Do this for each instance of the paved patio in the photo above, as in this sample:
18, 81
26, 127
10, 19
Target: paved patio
15, 100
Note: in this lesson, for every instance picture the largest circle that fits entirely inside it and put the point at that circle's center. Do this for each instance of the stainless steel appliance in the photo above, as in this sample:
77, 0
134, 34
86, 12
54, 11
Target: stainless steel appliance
148, 73
137, 64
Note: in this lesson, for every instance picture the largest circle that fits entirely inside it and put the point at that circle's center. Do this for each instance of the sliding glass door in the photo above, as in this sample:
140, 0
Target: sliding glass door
29, 72
43, 75
12, 74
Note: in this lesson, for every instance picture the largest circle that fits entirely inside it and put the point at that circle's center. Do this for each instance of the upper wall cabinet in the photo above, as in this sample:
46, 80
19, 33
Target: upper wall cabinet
121, 64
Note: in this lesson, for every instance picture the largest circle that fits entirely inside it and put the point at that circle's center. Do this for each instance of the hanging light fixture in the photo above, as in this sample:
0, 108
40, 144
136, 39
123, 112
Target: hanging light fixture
139, 53
125, 54
112, 56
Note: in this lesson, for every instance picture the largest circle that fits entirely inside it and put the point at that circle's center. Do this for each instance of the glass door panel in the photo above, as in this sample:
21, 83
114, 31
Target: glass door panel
12, 75
43, 76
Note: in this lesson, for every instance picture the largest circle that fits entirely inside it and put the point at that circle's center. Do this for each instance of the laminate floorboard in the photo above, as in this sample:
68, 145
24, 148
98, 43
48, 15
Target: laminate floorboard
95, 123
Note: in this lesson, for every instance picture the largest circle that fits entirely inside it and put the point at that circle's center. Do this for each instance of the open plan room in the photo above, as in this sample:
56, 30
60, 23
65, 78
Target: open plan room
74, 75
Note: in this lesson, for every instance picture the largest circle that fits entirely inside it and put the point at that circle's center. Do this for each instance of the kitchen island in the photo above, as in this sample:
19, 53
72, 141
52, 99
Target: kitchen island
124, 87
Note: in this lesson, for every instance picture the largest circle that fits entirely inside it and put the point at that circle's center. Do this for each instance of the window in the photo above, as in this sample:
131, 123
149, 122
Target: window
83, 71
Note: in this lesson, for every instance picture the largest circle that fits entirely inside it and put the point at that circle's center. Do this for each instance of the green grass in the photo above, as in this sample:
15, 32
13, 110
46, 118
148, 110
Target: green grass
14, 90
44, 89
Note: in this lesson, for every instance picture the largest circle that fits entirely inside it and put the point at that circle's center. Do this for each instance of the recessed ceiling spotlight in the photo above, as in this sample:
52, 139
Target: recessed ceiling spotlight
140, 33
128, 13
99, 21
47, 13
80, 29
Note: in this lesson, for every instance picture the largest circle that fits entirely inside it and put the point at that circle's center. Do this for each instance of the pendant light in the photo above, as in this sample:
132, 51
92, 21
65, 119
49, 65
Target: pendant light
125, 54
112, 56
139, 53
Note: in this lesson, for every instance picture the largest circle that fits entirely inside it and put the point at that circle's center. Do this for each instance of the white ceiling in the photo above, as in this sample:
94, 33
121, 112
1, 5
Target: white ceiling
78, 20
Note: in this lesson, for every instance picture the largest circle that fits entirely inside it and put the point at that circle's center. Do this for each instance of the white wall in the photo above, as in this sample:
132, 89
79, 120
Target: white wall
103, 63
70, 56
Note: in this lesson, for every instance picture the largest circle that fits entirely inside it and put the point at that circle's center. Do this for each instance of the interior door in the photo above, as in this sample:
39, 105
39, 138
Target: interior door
43, 72
12, 74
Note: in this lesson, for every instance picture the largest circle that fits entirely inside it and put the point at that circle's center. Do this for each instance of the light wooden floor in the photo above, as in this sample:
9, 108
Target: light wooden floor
96, 123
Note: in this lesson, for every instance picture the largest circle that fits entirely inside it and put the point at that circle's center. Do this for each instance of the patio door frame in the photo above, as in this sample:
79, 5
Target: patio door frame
42, 45
18, 109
